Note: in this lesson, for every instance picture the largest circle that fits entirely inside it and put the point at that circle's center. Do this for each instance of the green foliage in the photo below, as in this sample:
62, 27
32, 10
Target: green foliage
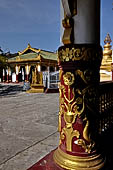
3, 64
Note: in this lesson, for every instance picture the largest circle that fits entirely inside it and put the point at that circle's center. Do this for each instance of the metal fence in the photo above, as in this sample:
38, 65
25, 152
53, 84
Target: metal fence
50, 79
54, 79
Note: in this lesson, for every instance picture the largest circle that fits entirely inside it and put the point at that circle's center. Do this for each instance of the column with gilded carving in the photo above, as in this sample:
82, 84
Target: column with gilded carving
7, 72
27, 67
17, 72
3, 75
79, 62
10, 78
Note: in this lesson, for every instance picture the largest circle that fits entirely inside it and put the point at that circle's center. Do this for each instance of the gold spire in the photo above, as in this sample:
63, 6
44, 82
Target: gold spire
105, 69
107, 39
107, 52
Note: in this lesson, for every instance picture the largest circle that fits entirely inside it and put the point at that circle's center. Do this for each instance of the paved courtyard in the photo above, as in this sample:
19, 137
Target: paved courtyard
28, 126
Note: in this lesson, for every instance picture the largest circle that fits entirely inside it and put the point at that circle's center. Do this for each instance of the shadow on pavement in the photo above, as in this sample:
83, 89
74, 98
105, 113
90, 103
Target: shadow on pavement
10, 89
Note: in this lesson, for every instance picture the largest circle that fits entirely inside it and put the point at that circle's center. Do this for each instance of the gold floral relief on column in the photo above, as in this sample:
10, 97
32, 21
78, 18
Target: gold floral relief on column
69, 79
77, 53
69, 109
69, 133
87, 136
70, 54
86, 131
86, 147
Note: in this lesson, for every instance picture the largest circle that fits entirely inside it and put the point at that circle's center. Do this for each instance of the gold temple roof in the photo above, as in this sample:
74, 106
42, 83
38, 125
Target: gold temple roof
30, 54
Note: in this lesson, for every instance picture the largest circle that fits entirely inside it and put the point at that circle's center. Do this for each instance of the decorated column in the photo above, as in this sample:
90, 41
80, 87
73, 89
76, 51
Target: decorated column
27, 73
17, 72
7, 72
23, 74
10, 79
39, 68
3, 75
79, 62
48, 83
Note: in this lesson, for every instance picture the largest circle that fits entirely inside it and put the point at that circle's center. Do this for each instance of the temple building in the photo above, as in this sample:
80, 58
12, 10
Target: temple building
105, 69
22, 66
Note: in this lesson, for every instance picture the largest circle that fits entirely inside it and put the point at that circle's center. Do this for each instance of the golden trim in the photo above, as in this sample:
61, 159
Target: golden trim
29, 47
23, 60
87, 148
68, 78
77, 53
70, 162
69, 133
38, 59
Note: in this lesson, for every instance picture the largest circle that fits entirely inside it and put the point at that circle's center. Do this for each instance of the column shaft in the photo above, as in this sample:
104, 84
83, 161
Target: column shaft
79, 63
27, 73
17, 72
10, 79
48, 86
7, 71
3, 75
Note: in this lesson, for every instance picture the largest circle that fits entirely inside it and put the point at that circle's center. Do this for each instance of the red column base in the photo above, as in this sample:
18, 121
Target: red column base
46, 163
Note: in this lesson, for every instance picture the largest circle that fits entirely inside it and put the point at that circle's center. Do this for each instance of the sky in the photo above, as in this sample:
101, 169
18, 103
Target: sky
38, 22
106, 19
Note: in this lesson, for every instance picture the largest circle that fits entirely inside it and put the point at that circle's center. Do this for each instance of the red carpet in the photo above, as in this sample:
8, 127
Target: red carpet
46, 163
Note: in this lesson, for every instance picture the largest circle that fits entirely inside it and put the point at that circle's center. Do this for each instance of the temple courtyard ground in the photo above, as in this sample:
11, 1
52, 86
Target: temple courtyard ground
28, 126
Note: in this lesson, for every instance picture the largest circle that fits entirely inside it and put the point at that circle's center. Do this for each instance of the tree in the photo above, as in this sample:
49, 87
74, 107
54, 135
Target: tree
3, 63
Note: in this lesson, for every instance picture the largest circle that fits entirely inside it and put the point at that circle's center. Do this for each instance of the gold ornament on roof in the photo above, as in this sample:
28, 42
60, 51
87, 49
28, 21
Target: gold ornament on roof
107, 53
107, 39
29, 46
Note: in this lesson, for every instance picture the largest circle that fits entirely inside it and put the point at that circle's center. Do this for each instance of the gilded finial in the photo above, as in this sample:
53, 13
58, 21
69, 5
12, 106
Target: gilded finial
107, 39
107, 52
29, 46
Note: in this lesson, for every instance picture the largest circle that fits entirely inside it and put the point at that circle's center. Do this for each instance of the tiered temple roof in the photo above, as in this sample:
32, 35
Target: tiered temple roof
33, 54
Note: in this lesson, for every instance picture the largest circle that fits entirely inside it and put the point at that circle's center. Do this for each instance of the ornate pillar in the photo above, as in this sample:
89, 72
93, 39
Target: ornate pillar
10, 79
27, 73
79, 63
23, 74
17, 72
48, 83
7, 72
39, 68
3, 75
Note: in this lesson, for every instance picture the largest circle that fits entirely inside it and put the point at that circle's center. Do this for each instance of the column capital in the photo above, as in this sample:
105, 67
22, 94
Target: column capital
79, 52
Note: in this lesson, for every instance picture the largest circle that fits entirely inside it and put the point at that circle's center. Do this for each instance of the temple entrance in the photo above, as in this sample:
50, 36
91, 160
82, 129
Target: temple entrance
22, 74
30, 74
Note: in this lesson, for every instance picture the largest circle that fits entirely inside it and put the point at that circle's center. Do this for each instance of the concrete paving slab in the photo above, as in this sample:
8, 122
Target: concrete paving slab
27, 158
28, 128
